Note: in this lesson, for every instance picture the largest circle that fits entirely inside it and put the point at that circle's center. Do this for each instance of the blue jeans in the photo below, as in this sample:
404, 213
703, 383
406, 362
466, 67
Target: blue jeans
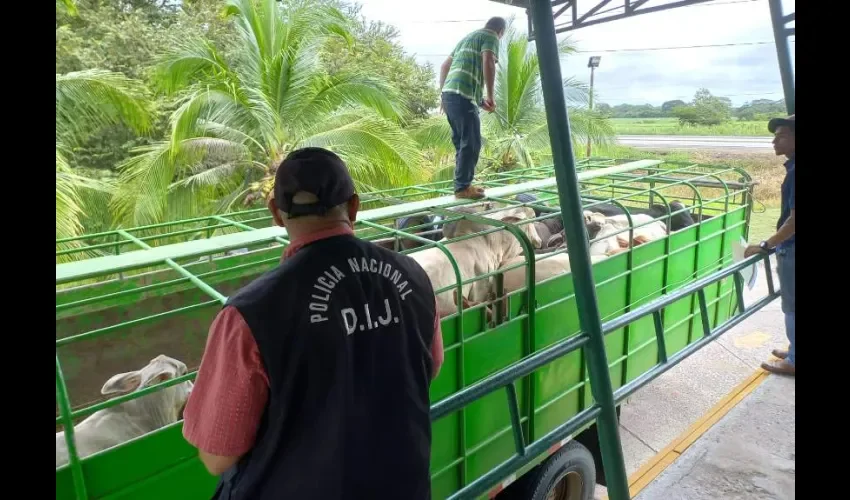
785, 258
466, 136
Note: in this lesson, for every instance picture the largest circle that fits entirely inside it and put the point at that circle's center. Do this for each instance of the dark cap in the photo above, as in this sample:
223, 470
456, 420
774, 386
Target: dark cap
775, 123
316, 171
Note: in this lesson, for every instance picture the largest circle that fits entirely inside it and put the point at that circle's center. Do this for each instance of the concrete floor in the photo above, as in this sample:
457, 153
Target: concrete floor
659, 413
749, 454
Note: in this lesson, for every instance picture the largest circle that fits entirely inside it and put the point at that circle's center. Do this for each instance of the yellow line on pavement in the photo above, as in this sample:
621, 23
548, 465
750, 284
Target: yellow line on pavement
668, 455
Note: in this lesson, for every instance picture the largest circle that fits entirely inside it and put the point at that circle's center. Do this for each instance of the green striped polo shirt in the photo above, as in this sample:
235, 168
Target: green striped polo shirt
466, 74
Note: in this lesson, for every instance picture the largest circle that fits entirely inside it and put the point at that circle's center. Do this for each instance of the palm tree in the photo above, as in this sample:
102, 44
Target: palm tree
238, 118
516, 135
86, 101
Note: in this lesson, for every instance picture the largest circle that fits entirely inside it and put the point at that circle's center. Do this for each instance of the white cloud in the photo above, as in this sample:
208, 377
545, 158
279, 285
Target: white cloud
740, 72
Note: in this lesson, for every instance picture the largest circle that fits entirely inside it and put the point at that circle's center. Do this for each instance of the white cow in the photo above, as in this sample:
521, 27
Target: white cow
117, 424
545, 266
652, 230
475, 256
608, 241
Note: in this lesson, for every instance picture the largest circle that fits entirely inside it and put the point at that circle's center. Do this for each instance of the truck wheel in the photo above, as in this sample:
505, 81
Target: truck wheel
569, 474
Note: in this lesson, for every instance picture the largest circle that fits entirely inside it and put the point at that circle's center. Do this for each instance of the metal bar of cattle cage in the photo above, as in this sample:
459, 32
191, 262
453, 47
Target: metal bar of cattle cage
558, 123
79, 270
212, 292
556, 351
244, 219
68, 428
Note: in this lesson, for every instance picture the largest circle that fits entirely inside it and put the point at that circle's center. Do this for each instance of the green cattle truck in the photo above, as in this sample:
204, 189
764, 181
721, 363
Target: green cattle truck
515, 400
526, 403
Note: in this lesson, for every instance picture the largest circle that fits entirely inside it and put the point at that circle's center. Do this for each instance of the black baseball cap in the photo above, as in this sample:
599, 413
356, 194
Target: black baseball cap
316, 171
775, 123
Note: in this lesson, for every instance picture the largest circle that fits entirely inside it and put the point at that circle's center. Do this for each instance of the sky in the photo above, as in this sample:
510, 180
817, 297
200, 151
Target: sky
429, 29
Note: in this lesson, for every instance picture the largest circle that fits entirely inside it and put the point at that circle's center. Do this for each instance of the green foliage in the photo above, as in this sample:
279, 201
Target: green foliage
126, 36
88, 101
636, 111
667, 107
705, 109
66, 7
671, 126
239, 115
376, 47
761, 109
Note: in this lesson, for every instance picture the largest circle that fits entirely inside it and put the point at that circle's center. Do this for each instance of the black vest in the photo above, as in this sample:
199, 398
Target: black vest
344, 329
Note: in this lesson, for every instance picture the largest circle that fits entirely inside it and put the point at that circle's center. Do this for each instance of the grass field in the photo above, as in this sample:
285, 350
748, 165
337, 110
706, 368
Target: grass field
765, 168
763, 224
671, 126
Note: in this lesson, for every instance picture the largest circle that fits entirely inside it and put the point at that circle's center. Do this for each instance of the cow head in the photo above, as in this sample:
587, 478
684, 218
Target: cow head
593, 222
160, 369
519, 214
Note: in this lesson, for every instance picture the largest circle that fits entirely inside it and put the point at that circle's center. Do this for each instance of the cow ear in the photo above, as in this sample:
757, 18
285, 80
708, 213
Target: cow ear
159, 376
122, 383
511, 219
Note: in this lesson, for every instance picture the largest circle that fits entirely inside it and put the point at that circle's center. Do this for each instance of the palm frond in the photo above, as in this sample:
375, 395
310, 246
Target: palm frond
77, 197
235, 120
433, 134
567, 46
203, 107
590, 125
70, 6
353, 90
89, 99
377, 152
584, 125
144, 180
576, 93
192, 59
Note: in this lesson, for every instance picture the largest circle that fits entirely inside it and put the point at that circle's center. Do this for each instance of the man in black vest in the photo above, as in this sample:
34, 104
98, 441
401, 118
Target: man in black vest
314, 382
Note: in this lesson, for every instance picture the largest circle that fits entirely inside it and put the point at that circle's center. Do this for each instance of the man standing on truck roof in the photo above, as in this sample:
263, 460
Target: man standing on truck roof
314, 381
465, 76
784, 241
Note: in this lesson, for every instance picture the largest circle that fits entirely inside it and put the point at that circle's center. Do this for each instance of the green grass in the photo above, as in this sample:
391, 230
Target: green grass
765, 168
763, 224
671, 126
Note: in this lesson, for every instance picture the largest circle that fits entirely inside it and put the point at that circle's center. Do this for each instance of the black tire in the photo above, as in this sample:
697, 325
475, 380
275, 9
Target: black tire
590, 439
573, 465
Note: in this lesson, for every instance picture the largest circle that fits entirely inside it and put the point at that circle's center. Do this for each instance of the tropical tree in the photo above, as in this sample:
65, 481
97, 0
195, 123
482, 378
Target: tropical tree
67, 6
238, 117
516, 134
86, 101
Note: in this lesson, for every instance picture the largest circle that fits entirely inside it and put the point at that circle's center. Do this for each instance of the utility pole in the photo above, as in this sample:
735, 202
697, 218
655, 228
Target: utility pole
592, 63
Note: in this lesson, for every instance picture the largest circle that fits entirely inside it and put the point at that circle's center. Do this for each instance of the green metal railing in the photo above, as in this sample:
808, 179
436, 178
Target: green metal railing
626, 185
505, 379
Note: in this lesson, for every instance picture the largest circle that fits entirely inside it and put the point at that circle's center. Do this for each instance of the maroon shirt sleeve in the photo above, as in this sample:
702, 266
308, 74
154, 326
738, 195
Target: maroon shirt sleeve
231, 389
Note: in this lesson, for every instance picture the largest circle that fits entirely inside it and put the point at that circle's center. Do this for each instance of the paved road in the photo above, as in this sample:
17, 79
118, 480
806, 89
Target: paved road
742, 143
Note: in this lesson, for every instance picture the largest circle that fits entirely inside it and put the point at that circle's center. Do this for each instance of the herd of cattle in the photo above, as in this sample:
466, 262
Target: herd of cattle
483, 253
490, 251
